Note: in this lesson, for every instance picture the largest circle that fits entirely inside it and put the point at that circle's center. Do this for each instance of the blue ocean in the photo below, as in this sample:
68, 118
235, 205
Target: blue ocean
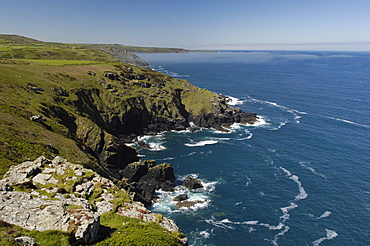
300, 175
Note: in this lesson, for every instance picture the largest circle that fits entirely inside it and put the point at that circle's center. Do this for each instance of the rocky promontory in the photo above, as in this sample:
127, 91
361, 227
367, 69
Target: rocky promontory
45, 195
89, 113
79, 102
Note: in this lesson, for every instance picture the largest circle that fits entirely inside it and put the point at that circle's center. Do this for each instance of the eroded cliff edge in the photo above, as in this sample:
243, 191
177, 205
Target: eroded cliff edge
78, 102
87, 113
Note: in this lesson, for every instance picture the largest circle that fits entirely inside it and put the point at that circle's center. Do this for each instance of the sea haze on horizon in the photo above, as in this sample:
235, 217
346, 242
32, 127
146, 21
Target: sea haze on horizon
299, 176
300, 47
247, 56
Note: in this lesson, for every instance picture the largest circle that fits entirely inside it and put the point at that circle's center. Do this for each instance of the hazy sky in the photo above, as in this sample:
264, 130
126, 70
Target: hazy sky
212, 24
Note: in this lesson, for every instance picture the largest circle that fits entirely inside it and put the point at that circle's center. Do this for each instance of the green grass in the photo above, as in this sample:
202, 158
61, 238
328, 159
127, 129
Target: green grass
134, 232
52, 51
75, 123
61, 62
22, 139
9, 232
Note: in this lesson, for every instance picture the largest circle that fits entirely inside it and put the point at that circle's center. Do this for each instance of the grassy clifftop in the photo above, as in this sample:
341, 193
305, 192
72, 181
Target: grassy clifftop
84, 97
83, 103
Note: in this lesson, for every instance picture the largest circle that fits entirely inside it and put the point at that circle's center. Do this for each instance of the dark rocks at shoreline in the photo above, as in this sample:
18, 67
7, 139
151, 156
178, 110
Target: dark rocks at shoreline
192, 183
220, 120
144, 178
160, 124
187, 204
102, 129
180, 198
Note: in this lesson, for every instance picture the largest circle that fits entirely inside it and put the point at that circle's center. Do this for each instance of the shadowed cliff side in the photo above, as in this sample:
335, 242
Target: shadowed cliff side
75, 101
90, 111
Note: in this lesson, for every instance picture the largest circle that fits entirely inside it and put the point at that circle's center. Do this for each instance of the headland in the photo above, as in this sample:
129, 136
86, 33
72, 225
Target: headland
86, 103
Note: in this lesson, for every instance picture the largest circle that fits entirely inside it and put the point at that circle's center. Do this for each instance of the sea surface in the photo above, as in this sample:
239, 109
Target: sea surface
300, 175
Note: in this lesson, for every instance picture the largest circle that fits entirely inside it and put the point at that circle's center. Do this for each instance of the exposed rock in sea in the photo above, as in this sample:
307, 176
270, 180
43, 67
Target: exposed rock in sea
181, 197
155, 177
187, 204
192, 183
223, 119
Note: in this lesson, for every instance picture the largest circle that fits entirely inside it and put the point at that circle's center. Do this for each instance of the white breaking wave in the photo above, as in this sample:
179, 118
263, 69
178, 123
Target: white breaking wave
260, 122
263, 122
169, 73
233, 101
224, 224
155, 143
165, 203
156, 147
348, 121
188, 130
204, 234
201, 143
329, 235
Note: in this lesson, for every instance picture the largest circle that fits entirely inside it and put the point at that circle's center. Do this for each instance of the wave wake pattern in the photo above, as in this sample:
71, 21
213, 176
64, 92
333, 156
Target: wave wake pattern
282, 226
296, 113
347, 121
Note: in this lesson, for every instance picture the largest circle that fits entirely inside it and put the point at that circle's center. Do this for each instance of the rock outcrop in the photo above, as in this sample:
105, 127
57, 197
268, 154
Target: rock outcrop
146, 177
98, 109
57, 195
181, 197
192, 183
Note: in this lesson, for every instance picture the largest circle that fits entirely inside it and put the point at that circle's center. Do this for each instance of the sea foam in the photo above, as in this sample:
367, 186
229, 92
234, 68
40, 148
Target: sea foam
330, 234
155, 142
233, 101
302, 193
165, 203
201, 143
324, 215
306, 166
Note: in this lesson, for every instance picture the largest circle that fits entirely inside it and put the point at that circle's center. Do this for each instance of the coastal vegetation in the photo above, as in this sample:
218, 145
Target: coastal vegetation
85, 102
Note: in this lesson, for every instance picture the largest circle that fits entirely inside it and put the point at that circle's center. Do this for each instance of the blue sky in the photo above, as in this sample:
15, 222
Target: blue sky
203, 24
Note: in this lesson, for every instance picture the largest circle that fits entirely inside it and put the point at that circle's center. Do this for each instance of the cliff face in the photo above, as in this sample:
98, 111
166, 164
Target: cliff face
97, 109
77, 101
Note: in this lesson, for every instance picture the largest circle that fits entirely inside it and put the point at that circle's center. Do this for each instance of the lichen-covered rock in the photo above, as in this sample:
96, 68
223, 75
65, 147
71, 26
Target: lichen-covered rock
53, 209
75, 201
22, 209
26, 241
136, 210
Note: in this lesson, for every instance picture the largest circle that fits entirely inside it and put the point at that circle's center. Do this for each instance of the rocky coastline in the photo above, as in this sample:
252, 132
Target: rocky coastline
55, 194
90, 113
